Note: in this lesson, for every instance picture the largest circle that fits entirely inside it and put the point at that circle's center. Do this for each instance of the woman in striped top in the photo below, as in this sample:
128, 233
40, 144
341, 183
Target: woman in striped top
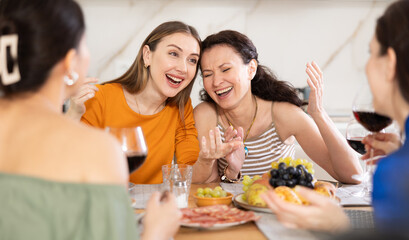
246, 101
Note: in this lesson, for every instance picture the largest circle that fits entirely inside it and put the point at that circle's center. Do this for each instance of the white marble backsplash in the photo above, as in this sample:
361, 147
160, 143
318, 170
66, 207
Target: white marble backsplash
287, 34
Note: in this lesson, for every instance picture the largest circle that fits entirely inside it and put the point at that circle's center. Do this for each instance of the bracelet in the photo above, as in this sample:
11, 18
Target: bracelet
224, 177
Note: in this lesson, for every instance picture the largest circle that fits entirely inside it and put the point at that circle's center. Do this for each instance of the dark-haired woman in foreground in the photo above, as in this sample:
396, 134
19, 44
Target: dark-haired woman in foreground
388, 75
241, 94
59, 179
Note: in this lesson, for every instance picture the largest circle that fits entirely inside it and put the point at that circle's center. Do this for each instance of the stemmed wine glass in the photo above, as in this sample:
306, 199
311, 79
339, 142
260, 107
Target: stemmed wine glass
355, 132
133, 145
365, 114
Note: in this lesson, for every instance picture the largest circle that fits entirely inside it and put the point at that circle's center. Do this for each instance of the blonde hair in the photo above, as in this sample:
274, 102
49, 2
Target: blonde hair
134, 80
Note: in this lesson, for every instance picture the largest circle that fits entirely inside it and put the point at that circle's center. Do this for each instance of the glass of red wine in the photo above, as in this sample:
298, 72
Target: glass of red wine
365, 115
133, 145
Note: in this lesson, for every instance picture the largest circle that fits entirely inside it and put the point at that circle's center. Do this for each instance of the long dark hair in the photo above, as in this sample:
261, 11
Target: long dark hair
135, 78
265, 84
46, 30
392, 31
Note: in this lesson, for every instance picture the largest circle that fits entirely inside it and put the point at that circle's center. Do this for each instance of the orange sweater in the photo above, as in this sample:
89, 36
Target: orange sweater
164, 133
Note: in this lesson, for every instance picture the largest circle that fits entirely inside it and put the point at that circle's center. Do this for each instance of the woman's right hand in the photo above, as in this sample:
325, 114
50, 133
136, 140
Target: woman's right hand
162, 218
85, 92
322, 214
381, 143
216, 148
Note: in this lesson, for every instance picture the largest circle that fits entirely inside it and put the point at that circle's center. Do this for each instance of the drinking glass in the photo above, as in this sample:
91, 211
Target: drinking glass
365, 114
133, 145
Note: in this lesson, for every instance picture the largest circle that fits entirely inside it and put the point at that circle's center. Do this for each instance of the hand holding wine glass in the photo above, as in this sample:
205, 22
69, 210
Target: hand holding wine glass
133, 145
365, 114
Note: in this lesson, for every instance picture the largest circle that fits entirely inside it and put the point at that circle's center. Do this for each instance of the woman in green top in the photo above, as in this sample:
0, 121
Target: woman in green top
54, 184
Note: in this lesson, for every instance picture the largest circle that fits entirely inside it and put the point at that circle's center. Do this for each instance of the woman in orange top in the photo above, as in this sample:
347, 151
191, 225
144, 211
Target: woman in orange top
154, 94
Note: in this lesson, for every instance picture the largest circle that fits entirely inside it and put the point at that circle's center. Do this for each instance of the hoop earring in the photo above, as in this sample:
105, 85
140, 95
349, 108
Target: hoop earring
70, 81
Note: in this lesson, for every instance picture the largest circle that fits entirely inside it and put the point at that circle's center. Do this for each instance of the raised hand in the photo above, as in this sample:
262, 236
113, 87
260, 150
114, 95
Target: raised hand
215, 148
322, 213
86, 91
315, 81
162, 219
235, 158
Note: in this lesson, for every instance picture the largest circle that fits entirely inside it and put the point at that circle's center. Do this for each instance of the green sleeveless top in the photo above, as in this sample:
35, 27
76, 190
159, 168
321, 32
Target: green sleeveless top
34, 208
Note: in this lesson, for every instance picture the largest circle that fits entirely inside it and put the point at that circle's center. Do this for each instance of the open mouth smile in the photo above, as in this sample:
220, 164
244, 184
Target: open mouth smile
174, 80
223, 92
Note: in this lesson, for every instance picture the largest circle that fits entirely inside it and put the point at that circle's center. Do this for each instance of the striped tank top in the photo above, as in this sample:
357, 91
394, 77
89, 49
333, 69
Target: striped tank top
263, 150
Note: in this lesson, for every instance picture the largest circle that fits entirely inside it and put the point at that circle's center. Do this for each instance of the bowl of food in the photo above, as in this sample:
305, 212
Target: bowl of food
208, 197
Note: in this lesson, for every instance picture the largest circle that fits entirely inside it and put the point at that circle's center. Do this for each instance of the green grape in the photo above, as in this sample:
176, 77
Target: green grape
200, 195
207, 191
256, 177
243, 197
218, 188
245, 188
298, 161
287, 161
215, 193
246, 177
274, 165
247, 182
309, 165
208, 196
199, 190
280, 160
223, 193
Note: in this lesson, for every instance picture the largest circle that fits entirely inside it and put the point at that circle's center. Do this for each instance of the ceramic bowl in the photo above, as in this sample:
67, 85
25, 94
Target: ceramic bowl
206, 201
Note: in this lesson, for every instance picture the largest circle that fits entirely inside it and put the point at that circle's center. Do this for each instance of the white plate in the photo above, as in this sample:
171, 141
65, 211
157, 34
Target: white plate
214, 227
241, 203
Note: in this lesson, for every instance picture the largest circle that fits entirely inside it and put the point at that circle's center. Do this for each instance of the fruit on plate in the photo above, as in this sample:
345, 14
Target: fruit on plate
253, 194
283, 177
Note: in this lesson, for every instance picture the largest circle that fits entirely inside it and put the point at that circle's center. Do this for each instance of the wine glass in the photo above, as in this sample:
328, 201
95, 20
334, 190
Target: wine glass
355, 132
133, 145
365, 114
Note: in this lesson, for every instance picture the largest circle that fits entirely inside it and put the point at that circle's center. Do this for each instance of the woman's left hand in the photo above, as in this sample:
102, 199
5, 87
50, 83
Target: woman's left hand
216, 148
315, 82
322, 213
235, 158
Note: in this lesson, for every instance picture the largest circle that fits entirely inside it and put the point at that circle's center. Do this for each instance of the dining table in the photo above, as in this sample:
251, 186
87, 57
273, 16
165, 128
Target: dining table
248, 230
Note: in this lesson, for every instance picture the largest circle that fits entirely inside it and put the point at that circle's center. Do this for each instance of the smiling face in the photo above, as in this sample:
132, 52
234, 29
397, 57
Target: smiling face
173, 64
226, 78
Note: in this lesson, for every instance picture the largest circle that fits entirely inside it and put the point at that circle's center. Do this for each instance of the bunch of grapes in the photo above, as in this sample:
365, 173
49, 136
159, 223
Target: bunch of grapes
211, 193
247, 181
290, 176
289, 161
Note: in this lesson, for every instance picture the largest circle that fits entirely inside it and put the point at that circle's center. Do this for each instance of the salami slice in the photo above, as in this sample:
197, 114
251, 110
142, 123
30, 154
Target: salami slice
218, 214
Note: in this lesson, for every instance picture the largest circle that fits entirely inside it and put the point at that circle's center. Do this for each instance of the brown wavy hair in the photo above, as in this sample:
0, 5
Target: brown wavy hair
392, 31
134, 80
265, 84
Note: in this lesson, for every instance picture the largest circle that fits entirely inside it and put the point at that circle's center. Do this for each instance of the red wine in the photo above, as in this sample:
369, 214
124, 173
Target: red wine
357, 145
372, 121
135, 161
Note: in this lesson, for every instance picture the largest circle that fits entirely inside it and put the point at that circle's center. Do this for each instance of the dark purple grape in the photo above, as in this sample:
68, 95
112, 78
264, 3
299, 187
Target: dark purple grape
297, 173
281, 171
308, 177
274, 173
286, 176
273, 182
301, 178
290, 183
309, 185
290, 170
282, 165
280, 183
302, 183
